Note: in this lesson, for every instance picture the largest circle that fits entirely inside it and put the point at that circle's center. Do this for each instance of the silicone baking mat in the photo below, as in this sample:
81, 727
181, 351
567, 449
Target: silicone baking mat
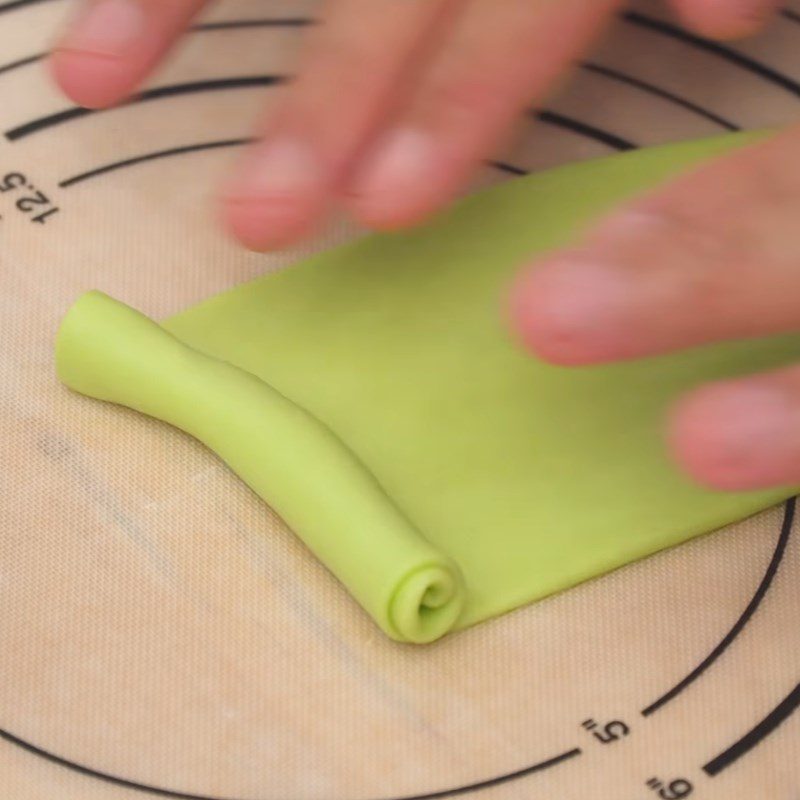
164, 634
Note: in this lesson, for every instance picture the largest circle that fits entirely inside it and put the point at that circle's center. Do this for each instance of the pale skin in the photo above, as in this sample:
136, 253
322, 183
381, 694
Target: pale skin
713, 255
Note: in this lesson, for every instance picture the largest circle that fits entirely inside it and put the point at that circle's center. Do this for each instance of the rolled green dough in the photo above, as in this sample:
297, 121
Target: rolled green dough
374, 397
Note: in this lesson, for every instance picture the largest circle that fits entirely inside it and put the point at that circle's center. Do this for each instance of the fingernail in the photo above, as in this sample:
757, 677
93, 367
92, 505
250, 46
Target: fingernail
278, 170
741, 436
107, 28
574, 312
275, 196
404, 159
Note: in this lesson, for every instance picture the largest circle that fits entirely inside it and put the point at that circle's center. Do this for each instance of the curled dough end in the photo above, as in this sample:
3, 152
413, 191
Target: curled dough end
427, 603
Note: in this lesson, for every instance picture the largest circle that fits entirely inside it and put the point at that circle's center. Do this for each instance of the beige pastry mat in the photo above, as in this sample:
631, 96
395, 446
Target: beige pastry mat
161, 628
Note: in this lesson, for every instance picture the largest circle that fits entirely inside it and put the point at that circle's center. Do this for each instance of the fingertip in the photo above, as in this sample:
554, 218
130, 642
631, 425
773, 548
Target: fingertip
384, 213
528, 321
90, 80
402, 183
263, 225
568, 312
721, 19
736, 436
104, 52
694, 436
276, 194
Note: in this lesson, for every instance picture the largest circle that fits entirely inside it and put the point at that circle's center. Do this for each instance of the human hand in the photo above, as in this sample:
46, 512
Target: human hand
395, 104
715, 255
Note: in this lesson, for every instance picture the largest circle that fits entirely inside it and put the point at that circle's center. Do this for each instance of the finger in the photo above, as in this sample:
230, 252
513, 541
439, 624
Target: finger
714, 255
357, 60
500, 57
113, 44
743, 434
726, 19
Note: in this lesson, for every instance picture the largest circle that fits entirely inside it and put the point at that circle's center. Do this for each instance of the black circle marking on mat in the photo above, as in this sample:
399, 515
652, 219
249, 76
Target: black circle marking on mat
22, 62
14, 5
261, 22
157, 155
249, 81
747, 615
656, 91
727, 53
767, 726
789, 14
583, 129
159, 93
597, 69
547, 117
176, 795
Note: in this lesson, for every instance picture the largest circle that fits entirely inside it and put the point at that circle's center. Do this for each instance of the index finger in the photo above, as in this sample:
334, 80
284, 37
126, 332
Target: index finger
112, 45
726, 19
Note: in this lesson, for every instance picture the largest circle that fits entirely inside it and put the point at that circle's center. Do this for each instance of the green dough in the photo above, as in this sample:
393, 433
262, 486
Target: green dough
375, 398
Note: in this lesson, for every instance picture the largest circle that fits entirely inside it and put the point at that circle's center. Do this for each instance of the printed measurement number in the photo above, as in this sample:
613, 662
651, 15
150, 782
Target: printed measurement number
33, 202
606, 734
615, 731
674, 790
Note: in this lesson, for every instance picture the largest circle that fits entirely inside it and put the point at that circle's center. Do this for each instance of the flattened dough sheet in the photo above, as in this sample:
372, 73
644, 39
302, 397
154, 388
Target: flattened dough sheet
374, 397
